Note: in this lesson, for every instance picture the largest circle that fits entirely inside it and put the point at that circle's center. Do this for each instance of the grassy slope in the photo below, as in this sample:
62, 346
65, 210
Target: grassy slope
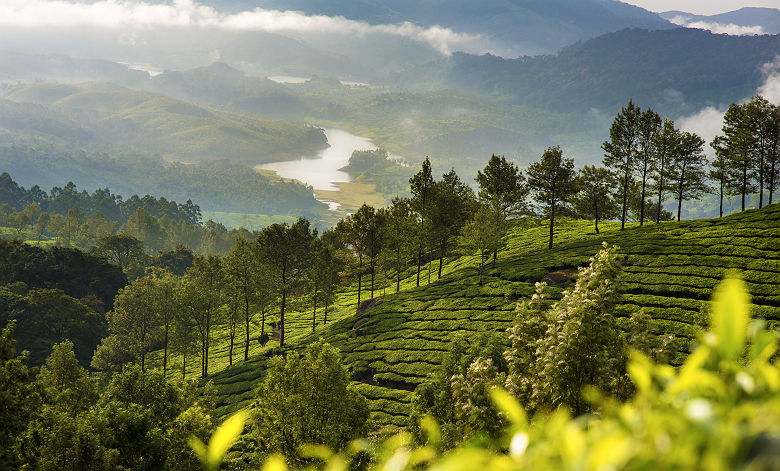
671, 269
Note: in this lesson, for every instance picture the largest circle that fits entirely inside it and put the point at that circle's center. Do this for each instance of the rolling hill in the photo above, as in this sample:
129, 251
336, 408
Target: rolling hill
768, 19
156, 123
522, 26
670, 272
675, 71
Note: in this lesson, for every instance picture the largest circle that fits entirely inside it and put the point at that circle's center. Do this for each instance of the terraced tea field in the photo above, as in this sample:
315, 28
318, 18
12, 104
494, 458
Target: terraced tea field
670, 271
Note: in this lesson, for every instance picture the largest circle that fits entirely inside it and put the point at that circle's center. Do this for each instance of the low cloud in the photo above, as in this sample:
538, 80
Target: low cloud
708, 122
118, 14
717, 28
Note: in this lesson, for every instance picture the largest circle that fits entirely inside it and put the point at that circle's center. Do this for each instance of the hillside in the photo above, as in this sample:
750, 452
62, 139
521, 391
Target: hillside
768, 19
675, 71
533, 26
670, 271
151, 122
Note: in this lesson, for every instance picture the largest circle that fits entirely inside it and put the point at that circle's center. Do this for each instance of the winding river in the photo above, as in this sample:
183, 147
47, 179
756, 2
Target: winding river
321, 170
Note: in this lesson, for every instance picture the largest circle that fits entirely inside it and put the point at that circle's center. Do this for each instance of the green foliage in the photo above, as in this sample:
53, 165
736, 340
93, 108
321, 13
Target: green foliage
553, 181
720, 410
224, 437
307, 400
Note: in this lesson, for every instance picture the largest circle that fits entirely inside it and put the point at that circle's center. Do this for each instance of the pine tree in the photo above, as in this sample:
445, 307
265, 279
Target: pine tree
595, 196
649, 129
621, 151
686, 170
554, 181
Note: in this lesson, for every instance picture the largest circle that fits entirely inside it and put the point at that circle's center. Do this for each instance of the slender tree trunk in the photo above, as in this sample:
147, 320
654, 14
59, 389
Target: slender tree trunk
419, 262
230, 351
373, 271
325, 318
281, 317
246, 325
481, 265
398, 273
143, 361
262, 320
441, 256
165, 350
208, 342
761, 175
184, 363
744, 181
625, 200
680, 193
644, 183
360, 278
552, 222
722, 185
314, 315
660, 190
596, 211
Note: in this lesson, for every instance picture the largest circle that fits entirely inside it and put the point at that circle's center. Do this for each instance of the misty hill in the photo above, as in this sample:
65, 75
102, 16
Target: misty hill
767, 18
531, 26
16, 66
155, 123
674, 71
221, 85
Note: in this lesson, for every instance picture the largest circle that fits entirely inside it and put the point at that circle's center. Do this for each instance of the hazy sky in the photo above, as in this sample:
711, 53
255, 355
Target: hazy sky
702, 7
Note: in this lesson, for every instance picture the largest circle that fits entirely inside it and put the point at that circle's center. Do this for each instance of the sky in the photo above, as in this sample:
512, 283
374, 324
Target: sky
701, 7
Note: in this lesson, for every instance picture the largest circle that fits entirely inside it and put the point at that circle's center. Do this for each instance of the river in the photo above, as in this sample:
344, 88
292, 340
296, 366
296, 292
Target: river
321, 170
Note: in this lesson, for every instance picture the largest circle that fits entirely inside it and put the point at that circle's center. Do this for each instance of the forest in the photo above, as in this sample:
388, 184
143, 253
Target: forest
459, 326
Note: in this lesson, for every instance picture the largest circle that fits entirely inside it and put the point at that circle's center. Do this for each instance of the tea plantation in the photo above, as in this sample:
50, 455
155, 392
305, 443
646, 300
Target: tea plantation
670, 271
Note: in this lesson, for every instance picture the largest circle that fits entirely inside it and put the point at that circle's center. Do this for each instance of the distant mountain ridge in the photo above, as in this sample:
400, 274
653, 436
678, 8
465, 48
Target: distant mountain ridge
533, 26
675, 71
767, 18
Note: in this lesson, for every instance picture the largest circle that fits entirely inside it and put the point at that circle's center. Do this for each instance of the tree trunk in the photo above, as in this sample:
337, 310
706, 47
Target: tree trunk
596, 211
744, 181
642, 205
721, 196
184, 363
281, 317
314, 315
325, 318
360, 278
246, 319
419, 262
208, 343
481, 265
373, 271
552, 222
625, 200
165, 351
230, 351
761, 174
441, 256
680, 193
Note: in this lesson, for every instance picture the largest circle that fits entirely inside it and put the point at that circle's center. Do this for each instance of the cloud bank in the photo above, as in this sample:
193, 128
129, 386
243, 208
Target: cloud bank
707, 123
717, 28
133, 14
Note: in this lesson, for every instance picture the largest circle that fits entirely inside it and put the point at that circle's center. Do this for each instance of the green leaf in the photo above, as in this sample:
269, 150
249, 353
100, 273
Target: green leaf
220, 442
730, 317
509, 406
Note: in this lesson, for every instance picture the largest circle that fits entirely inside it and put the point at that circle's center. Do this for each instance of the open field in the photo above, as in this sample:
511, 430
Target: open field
670, 271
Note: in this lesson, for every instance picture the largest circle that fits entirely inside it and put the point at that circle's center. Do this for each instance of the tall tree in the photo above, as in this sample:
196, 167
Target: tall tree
358, 230
621, 150
553, 180
649, 129
687, 169
719, 170
323, 276
421, 187
483, 233
122, 249
502, 185
595, 196
453, 204
739, 142
242, 273
285, 250
206, 281
772, 170
758, 116
665, 142
400, 229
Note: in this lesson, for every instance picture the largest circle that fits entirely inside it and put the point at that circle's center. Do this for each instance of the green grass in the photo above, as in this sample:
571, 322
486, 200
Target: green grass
670, 271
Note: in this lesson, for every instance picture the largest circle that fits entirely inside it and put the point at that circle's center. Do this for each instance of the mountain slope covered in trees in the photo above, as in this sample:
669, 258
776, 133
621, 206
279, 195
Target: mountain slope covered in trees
113, 115
676, 71
670, 271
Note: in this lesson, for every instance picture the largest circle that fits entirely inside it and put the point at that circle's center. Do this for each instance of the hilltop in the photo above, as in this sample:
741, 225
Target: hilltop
670, 271
152, 122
